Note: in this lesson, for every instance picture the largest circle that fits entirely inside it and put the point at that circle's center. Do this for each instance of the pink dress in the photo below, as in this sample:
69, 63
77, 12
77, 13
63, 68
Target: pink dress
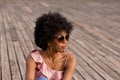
43, 70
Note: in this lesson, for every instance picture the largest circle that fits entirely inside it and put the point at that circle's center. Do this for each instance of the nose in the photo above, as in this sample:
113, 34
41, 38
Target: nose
65, 41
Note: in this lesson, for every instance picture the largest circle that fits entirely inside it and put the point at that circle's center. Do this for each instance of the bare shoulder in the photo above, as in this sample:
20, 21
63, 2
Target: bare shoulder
71, 59
30, 60
71, 56
30, 68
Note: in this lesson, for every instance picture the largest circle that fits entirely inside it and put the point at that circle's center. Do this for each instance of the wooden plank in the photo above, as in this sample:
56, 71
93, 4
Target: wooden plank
77, 75
4, 53
19, 35
97, 35
20, 58
110, 47
104, 60
92, 64
25, 29
99, 60
18, 50
87, 68
93, 26
95, 30
84, 73
96, 44
15, 73
27, 36
0, 43
95, 16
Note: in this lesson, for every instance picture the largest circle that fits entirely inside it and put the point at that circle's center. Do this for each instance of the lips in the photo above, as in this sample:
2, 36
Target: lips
63, 47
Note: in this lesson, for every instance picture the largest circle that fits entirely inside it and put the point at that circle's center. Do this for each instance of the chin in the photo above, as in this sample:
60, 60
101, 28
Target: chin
62, 50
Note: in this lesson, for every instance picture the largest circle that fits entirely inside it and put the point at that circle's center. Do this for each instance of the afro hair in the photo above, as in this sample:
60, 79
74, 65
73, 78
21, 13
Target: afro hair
47, 26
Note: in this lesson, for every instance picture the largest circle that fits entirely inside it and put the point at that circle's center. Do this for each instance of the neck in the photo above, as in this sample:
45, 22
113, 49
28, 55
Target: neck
51, 54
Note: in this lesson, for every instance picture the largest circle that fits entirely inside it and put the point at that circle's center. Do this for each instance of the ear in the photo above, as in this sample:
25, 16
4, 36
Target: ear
48, 44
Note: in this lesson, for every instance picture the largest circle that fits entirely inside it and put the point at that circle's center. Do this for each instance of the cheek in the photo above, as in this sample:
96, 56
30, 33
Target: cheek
57, 46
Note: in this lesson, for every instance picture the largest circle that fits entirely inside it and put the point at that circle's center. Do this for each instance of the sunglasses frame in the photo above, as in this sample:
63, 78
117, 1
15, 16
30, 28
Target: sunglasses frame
62, 38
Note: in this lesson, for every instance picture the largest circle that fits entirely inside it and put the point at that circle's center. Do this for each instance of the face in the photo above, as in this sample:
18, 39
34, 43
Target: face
60, 41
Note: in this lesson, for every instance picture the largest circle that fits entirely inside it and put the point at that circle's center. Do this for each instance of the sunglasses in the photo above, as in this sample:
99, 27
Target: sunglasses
61, 38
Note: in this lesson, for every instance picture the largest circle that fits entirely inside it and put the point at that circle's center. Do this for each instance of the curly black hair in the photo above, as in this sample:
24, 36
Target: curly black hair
47, 26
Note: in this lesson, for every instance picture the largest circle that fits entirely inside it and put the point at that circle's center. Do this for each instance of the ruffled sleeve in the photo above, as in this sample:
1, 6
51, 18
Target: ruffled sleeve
36, 56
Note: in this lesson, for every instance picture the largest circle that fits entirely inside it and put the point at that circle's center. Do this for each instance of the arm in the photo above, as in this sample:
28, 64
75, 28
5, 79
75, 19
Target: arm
70, 67
30, 68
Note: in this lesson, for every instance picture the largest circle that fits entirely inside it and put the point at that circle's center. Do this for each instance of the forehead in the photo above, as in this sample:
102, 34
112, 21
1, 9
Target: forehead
61, 33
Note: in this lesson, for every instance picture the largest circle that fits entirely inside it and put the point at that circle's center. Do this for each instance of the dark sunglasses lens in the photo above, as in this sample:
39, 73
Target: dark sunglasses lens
67, 37
61, 38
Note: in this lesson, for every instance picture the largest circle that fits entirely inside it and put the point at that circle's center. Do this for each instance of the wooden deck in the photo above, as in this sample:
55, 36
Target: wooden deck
95, 39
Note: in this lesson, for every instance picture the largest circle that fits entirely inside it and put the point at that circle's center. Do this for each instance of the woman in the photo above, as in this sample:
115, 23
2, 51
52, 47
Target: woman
52, 62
